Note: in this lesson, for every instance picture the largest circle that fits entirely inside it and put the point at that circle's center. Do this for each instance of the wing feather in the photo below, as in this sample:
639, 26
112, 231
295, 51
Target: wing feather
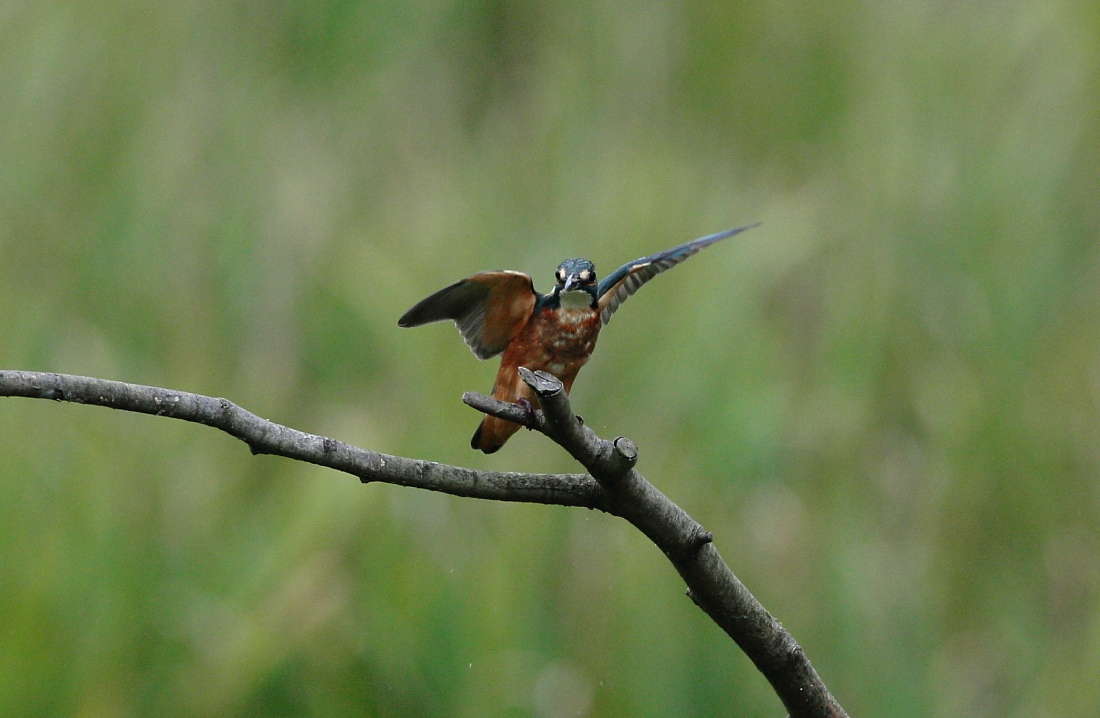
614, 289
488, 308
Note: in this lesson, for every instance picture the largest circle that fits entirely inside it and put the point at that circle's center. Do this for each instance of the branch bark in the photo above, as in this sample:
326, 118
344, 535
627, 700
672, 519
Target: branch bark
612, 485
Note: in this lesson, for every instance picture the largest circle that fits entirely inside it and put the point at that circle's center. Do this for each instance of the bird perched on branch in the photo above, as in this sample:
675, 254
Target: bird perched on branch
501, 312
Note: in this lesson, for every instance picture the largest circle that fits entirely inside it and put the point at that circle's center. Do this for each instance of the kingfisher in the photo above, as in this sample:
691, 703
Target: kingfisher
499, 312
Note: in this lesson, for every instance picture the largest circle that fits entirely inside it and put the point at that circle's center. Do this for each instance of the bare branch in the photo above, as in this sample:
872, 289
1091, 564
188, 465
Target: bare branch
266, 437
711, 583
612, 486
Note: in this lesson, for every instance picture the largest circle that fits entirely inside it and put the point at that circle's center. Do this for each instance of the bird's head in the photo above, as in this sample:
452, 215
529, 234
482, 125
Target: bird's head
576, 275
576, 284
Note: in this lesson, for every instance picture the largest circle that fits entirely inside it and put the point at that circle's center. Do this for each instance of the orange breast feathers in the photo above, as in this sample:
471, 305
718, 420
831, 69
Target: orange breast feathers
558, 341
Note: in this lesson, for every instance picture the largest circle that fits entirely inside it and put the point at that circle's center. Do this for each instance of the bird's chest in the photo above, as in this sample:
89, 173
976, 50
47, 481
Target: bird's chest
557, 340
568, 332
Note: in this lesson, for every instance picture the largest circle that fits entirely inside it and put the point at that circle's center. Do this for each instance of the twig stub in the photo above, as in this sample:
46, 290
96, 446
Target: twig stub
543, 383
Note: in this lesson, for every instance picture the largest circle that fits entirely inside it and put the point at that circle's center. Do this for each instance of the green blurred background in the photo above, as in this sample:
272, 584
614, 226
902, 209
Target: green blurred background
884, 402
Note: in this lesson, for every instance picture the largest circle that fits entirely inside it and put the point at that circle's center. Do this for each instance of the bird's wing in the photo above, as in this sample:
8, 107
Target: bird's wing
488, 308
624, 281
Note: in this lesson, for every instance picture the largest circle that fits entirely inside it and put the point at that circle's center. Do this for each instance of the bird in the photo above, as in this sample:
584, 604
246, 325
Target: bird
499, 312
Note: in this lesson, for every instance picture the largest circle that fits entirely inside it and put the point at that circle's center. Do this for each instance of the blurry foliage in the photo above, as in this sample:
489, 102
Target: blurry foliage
885, 401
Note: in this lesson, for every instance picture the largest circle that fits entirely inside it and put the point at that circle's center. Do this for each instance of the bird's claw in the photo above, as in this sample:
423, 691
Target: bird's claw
530, 411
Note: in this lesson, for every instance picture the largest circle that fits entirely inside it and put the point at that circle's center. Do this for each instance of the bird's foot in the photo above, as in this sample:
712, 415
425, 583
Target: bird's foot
530, 411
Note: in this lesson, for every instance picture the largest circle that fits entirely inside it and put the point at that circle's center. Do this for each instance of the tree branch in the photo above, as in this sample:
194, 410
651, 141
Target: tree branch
711, 584
612, 485
266, 437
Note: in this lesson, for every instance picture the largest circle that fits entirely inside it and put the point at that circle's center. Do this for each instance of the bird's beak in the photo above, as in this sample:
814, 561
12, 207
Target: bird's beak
570, 282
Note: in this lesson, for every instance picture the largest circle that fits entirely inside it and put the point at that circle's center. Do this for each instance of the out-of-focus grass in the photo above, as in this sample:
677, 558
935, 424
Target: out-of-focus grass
884, 402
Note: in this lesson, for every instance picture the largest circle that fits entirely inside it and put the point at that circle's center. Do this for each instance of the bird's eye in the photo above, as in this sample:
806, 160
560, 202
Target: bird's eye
560, 275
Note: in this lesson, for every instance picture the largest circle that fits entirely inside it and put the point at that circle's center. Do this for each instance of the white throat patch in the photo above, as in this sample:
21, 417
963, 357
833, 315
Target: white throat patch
574, 300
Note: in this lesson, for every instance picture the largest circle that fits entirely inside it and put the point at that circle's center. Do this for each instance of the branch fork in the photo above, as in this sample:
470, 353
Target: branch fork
689, 547
612, 484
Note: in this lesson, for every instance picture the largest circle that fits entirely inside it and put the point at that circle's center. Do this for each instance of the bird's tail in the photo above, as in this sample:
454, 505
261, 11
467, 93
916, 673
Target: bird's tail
492, 433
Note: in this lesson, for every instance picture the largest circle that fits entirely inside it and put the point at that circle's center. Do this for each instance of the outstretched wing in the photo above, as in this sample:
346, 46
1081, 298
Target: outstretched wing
624, 281
488, 308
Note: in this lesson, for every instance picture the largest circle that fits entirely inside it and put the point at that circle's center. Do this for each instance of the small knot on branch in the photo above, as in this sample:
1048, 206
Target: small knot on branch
688, 548
619, 457
700, 537
626, 450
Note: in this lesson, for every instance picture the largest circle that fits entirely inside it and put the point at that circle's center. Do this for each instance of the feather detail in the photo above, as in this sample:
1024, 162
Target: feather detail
489, 308
614, 289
